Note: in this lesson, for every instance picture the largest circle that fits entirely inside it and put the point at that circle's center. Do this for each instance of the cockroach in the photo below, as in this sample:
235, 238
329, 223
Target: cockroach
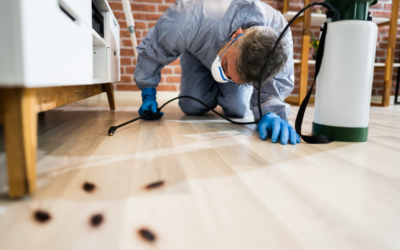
89, 187
41, 216
155, 185
96, 220
147, 235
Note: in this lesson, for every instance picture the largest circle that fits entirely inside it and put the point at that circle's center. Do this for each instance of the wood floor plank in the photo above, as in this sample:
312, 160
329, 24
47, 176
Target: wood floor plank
224, 187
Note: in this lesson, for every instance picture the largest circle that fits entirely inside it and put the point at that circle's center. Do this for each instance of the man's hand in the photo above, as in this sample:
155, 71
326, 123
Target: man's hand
149, 103
272, 125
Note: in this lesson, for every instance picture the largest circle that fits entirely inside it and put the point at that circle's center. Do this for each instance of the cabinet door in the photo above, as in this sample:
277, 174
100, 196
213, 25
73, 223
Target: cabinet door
100, 64
56, 44
112, 32
80, 8
113, 66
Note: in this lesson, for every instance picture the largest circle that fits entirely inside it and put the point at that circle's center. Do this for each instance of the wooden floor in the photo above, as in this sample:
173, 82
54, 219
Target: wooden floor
224, 188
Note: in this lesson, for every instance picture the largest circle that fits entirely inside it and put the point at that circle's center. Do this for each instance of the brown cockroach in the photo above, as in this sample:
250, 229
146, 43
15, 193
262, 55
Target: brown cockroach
89, 187
41, 216
96, 220
154, 185
147, 235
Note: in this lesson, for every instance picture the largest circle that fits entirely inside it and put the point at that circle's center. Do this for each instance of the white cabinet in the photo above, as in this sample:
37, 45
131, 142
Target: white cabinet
52, 43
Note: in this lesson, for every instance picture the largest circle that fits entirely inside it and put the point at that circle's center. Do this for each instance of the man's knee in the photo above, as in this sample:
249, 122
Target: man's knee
239, 110
235, 99
192, 107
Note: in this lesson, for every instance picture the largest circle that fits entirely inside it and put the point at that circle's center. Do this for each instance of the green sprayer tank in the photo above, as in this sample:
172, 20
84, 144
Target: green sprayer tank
344, 84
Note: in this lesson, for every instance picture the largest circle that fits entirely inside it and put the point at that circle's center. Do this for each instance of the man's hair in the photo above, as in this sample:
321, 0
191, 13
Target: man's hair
255, 48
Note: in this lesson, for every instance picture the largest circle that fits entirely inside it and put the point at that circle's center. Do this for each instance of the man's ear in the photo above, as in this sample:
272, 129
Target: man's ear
237, 33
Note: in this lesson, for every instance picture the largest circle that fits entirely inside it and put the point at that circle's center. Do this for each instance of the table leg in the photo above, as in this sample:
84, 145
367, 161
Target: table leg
109, 88
20, 132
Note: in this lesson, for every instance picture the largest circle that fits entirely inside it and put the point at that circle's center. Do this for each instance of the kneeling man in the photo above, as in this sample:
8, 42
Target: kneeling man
223, 46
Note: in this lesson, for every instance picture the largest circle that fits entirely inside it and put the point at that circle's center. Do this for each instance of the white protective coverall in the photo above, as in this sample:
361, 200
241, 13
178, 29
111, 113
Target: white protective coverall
195, 31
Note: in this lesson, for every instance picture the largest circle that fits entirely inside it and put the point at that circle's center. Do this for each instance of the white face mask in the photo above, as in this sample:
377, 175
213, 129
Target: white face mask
216, 68
217, 71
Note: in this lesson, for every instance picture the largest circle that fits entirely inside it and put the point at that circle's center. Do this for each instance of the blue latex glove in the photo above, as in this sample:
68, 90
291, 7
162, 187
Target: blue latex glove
149, 102
272, 125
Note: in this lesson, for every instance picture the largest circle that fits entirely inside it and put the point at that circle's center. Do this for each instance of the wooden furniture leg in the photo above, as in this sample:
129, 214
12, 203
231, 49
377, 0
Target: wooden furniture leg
20, 132
391, 47
305, 53
285, 6
109, 88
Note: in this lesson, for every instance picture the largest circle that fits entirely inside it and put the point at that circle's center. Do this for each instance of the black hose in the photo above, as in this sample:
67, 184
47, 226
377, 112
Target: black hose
226, 118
